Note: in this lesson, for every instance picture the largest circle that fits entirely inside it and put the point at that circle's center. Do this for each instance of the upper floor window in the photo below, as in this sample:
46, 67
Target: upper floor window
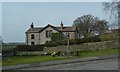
68, 35
32, 36
48, 33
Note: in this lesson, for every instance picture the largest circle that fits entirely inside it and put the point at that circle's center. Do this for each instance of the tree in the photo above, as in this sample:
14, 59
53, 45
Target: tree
114, 9
56, 37
88, 25
102, 26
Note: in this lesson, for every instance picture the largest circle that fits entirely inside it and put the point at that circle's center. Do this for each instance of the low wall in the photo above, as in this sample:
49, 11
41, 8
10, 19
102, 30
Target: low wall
85, 46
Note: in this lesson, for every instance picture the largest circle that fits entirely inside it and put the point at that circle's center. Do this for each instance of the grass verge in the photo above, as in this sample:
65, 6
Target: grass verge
34, 59
103, 52
29, 59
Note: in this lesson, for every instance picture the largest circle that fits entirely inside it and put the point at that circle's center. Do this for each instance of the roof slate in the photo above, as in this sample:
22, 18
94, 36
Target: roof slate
40, 29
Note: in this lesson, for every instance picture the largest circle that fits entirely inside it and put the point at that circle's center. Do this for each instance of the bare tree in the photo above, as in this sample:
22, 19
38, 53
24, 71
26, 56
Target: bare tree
88, 25
114, 9
102, 26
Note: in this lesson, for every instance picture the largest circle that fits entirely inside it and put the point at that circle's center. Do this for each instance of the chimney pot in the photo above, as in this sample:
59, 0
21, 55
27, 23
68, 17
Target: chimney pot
61, 25
32, 26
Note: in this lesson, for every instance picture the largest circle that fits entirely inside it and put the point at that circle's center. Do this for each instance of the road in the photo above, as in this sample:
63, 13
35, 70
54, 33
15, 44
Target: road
109, 64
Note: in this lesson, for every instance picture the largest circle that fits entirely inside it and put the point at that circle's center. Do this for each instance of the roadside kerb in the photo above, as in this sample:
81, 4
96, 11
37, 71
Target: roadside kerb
58, 62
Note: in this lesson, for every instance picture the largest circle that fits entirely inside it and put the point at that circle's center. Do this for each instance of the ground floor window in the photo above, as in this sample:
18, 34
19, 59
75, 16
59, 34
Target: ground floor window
32, 43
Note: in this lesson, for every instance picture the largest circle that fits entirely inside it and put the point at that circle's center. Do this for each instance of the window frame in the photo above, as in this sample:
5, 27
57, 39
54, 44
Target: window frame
32, 36
48, 33
32, 43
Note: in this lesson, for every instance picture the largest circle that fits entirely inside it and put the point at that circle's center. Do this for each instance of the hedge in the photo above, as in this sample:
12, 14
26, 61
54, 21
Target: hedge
73, 41
10, 52
30, 47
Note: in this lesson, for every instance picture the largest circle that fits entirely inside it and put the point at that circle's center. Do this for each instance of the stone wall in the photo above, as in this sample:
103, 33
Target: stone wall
85, 46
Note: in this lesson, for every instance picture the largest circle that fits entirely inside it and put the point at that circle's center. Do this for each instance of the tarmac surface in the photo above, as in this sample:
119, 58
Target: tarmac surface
109, 64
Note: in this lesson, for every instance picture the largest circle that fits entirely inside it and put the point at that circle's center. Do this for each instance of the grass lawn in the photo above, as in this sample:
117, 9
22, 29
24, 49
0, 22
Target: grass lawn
34, 59
0, 62
30, 59
111, 51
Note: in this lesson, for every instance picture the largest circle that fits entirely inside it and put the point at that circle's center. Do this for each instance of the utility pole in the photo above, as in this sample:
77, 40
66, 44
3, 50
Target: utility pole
67, 35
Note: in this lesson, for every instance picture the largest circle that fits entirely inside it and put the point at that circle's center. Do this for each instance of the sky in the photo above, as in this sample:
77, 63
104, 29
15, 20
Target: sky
58, 0
17, 16
0, 18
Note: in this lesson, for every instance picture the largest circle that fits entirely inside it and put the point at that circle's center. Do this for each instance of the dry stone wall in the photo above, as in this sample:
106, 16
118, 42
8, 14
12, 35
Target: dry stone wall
85, 46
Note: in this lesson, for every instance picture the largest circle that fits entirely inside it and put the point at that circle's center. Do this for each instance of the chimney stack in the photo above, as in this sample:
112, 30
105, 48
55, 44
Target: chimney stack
61, 25
32, 26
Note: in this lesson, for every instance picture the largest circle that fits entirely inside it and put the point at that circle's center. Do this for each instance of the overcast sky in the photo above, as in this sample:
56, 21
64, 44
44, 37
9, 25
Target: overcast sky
0, 18
17, 16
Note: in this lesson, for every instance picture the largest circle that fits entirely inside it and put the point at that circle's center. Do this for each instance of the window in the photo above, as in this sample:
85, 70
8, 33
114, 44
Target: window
68, 35
48, 33
32, 36
32, 43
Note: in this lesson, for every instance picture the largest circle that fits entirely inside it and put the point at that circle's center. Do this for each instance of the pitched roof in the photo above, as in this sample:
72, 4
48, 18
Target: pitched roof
69, 29
49, 26
33, 30
40, 29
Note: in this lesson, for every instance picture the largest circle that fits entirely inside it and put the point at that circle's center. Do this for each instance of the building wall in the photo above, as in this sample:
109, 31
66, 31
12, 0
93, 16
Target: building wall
35, 40
72, 35
43, 37
40, 38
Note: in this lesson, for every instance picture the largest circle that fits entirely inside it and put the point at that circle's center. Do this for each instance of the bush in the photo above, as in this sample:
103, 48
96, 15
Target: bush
108, 36
73, 41
94, 39
8, 47
30, 47
63, 42
51, 44
10, 52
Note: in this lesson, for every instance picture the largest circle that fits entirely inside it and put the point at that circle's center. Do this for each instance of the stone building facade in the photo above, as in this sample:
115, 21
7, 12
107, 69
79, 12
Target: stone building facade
39, 35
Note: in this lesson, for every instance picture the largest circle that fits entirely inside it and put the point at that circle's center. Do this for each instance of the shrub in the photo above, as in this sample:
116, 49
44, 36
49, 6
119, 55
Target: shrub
51, 44
94, 39
73, 41
10, 52
64, 42
30, 47
108, 36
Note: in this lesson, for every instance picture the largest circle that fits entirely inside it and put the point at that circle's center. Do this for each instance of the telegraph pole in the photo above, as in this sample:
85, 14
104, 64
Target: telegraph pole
67, 42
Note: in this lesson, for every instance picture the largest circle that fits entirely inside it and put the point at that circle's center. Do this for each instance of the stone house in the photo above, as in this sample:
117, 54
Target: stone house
39, 35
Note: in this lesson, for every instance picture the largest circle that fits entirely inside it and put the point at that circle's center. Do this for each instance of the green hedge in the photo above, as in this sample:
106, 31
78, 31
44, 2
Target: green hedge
8, 47
30, 47
50, 44
73, 41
